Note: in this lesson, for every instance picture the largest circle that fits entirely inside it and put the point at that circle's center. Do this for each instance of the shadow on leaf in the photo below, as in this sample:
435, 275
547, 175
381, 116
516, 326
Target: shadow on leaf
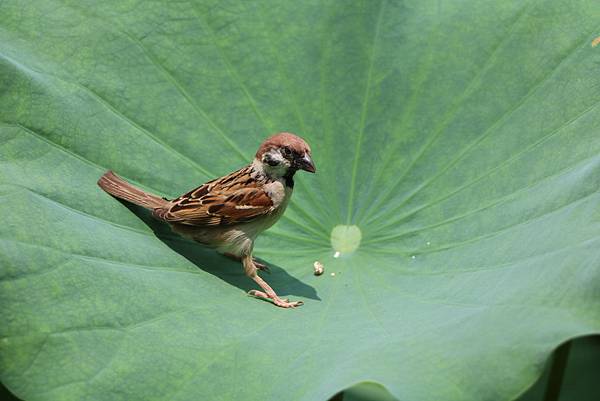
220, 266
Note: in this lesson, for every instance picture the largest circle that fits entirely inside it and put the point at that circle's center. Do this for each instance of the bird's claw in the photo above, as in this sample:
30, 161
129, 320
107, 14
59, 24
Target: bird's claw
283, 303
261, 266
257, 294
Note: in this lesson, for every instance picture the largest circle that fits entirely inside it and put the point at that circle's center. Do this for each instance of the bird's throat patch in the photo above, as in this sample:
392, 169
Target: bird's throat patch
345, 239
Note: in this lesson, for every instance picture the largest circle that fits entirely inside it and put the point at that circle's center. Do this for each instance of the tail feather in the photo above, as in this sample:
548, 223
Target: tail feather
118, 187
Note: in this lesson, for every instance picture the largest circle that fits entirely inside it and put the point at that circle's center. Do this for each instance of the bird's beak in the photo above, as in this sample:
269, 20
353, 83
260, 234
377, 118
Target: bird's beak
306, 163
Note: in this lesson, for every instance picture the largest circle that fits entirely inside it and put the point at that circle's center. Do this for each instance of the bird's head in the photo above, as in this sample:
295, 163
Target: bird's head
283, 154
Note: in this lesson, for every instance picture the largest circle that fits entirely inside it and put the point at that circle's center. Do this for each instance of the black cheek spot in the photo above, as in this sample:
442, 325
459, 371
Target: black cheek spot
269, 160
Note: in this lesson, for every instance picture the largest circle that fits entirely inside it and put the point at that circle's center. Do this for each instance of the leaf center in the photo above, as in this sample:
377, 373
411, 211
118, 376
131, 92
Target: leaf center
345, 239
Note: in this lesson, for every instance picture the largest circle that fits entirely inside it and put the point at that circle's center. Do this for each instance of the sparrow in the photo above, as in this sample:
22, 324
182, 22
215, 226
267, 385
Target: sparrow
228, 213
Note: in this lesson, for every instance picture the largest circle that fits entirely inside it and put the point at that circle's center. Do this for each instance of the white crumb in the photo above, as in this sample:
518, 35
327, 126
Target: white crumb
319, 268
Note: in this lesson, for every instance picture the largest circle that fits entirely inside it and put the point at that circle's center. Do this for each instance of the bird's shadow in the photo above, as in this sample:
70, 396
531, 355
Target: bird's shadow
220, 266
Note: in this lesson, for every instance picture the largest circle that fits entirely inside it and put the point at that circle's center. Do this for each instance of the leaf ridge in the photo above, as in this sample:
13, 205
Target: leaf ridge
363, 114
499, 166
505, 116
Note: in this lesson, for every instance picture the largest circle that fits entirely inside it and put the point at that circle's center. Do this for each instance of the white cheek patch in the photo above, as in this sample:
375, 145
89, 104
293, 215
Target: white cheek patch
274, 156
274, 164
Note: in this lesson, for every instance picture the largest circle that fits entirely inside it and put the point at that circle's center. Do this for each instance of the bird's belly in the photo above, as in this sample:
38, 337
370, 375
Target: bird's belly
236, 240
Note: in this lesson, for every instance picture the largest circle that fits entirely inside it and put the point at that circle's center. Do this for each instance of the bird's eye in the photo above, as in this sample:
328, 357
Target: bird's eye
287, 151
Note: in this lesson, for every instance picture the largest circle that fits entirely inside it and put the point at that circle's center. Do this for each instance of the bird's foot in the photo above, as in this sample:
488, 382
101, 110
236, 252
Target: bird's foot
283, 303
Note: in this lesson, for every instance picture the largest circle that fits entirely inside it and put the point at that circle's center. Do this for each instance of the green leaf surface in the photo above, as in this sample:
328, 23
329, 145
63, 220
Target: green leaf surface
461, 138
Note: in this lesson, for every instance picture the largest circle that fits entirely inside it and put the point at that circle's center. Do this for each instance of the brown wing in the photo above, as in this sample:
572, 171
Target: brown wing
235, 198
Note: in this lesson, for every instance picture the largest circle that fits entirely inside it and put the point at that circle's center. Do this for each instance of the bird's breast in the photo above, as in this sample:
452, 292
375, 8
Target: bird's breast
279, 193
280, 196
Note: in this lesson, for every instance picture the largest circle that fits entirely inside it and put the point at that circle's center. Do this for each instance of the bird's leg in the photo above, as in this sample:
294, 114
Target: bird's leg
259, 265
267, 293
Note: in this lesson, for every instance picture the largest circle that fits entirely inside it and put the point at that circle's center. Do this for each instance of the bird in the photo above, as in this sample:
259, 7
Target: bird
228, 213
